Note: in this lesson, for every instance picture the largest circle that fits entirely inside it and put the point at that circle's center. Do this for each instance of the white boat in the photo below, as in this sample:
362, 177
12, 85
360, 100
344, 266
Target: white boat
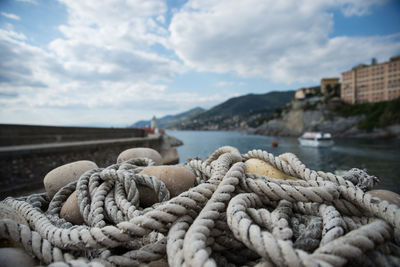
316, 139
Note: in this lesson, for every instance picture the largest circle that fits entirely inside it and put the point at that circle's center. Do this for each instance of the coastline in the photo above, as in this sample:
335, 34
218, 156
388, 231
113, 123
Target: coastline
390, 132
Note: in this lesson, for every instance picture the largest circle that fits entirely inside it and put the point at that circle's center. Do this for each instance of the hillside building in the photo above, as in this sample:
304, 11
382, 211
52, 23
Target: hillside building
328, 82
304, 92
372, 83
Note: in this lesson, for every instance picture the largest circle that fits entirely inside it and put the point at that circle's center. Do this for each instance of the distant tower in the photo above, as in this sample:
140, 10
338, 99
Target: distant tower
154, 123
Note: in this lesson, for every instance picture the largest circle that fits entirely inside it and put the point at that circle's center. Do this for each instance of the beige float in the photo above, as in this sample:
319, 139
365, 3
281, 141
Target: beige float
140, 152
387, 195
63, 175
177, 179
70, 210
261, 167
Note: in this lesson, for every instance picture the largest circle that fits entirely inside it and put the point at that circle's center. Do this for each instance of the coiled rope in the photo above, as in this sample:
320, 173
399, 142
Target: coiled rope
228, 218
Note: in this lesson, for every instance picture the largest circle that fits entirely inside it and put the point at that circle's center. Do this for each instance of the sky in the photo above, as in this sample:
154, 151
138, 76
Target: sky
114, 62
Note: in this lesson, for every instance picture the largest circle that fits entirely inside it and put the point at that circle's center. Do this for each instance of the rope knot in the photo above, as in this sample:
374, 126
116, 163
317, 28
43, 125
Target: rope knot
361, 179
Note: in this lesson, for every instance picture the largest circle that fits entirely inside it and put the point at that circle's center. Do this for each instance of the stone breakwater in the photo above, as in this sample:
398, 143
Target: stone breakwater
15, 135
230, 209
23, 167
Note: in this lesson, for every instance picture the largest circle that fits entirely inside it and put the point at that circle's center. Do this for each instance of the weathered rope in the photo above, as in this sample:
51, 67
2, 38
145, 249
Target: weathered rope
230, 217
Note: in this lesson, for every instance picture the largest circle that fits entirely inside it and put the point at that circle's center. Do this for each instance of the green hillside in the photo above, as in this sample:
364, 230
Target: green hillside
377, 115
232, 112
168, 120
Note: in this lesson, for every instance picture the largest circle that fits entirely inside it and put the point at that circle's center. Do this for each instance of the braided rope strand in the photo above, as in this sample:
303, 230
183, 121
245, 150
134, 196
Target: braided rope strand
230, 217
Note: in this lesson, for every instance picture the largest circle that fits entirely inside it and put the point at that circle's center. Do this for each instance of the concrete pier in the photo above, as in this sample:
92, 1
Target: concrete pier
15, 134
23, 167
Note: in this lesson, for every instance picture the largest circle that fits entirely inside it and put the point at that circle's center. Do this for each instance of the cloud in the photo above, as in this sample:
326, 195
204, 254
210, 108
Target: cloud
112, 114
21, 65
284, 41
104, 60
112, 78
115, 60
76, 81
121, 34
358, 8
10, 16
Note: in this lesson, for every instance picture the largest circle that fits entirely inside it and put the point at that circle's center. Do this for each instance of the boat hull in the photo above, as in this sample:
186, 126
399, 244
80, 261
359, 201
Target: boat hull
315, 143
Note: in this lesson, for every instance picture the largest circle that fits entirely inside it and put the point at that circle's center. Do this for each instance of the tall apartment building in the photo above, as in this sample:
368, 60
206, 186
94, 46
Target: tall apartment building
372, 83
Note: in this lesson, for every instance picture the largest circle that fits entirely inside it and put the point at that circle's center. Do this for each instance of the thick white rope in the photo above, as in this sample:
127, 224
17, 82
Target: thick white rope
229, 218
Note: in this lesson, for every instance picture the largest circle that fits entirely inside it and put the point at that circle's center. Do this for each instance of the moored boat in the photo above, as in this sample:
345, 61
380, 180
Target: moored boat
316, 139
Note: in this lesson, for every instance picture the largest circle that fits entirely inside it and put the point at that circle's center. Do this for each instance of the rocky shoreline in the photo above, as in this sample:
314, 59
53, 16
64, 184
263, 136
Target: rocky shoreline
298, 119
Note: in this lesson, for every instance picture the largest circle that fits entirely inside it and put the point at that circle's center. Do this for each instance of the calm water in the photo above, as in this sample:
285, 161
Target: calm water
379, 157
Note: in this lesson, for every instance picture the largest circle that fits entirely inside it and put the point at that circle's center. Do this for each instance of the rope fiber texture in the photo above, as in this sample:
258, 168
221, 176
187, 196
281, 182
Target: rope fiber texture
229, 218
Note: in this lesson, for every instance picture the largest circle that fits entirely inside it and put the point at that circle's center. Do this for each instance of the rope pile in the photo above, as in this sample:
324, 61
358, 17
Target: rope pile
229, 218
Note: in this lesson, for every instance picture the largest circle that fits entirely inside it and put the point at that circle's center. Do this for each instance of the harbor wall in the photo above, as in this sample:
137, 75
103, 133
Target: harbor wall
22, 168
14, 134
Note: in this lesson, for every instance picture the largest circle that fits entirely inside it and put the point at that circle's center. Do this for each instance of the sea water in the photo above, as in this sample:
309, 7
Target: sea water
378, 157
